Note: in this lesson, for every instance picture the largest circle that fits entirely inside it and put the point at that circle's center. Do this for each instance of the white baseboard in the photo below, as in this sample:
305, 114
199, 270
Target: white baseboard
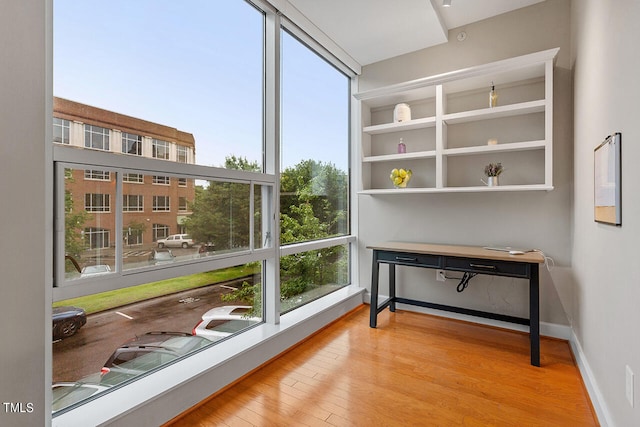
597, 400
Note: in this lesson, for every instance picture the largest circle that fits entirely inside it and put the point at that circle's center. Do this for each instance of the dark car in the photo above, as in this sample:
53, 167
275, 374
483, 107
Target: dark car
147, 352
67, 320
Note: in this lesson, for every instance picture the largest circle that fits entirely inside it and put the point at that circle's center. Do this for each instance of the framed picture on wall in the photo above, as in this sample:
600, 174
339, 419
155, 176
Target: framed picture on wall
607, 180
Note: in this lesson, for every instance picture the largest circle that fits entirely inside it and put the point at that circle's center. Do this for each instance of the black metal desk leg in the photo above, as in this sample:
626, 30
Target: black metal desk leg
534, 315
373, 305
392, 287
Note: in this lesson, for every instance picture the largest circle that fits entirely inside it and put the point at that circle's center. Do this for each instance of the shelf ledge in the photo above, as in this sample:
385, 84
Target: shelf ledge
474, 189
400, 157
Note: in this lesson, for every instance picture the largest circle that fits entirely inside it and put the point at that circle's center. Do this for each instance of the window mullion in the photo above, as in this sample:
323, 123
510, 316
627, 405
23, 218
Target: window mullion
271, 276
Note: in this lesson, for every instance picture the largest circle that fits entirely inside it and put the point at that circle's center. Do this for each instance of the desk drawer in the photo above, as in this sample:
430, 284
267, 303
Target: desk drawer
419, 260
486, 266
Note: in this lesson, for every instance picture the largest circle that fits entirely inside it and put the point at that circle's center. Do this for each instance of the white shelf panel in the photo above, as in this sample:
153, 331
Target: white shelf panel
475, 189
403, 156
498, 148
461, 79
423, 123
496, 112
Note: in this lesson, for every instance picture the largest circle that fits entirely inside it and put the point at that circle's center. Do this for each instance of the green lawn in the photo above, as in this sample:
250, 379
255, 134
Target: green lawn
120, 297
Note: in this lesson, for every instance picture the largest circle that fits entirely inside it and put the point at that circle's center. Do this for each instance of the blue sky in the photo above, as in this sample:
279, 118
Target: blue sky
197, 65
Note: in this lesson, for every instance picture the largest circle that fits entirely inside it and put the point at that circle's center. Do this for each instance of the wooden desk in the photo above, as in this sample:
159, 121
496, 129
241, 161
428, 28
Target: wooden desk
468, 259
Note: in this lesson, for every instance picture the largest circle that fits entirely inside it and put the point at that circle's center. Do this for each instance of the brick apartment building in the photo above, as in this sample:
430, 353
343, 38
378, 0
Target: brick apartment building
153, 206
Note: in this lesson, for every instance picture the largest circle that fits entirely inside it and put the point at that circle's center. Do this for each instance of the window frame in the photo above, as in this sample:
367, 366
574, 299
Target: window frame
160, 146
127, 141
270, 255
137, 207
68, 157
64, 127
93, 130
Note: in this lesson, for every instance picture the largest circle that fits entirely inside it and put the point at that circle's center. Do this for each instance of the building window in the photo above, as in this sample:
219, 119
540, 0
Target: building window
135, 178
161, 204
96, 137
182, 204
161, 180
61, 128
131, 144
182, 182
97, 175
160, 149
182, 154
96, 238
97, 202
160, 231
132, 203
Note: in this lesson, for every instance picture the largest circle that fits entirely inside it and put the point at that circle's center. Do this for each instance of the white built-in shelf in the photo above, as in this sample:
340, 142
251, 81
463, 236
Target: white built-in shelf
473, 189
404, 156
527, 83
402, 126
483, 149
496, 112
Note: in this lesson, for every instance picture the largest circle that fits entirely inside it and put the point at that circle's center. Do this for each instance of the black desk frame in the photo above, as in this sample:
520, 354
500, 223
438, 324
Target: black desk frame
517, 269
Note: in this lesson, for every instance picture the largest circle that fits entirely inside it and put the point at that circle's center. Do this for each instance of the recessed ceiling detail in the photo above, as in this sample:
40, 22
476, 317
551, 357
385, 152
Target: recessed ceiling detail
374, 30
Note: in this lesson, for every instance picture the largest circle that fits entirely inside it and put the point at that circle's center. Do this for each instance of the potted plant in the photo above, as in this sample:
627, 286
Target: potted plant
493, 171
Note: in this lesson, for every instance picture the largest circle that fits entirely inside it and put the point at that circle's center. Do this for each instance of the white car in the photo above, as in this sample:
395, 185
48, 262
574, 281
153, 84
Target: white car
95, 270
220, 322
176, 241
68, 393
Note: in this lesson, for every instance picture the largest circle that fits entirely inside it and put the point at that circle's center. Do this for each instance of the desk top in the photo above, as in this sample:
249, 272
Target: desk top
459, 251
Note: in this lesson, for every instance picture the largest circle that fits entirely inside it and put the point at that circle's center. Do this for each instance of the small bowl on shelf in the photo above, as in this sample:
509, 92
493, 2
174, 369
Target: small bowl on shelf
400, 177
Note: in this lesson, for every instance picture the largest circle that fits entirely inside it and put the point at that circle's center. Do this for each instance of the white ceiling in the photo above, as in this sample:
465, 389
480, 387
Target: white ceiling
373, 30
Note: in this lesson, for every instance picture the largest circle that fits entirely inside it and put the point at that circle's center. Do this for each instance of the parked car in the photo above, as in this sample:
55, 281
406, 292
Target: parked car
67, 320
67, 393
176, 241
161, 256
147, 352
220, 322
95, 270
206, 250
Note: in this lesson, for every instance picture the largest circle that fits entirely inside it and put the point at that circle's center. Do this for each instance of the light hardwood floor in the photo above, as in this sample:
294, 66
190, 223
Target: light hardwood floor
414, 369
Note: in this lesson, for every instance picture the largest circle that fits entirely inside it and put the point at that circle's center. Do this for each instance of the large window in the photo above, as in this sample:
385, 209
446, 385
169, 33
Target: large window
61, 129
160, 149
132, 203
131, 143
215, 253
97, 202
96, 137
314, 197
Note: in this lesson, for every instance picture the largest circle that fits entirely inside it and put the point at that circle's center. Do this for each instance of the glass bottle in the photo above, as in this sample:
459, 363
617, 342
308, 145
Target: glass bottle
401, 147
493, 96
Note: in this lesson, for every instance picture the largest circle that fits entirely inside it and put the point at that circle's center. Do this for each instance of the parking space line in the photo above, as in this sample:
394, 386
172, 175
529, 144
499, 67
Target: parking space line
124, 315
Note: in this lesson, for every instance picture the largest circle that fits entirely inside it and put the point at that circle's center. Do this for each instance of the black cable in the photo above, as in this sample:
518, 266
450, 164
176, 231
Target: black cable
464, 282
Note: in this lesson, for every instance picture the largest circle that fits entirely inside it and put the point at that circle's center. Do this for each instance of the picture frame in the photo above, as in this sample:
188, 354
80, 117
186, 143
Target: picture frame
607, 159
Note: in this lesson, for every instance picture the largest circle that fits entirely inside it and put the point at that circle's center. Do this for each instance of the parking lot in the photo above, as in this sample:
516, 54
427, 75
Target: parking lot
85, 352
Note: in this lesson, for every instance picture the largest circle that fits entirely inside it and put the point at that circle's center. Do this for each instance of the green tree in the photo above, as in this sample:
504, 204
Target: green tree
220, 212
73, 224
314, 206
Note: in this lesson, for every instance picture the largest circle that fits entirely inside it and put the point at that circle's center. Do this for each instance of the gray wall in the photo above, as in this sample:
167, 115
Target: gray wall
25, 213
531, 219
607, 293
